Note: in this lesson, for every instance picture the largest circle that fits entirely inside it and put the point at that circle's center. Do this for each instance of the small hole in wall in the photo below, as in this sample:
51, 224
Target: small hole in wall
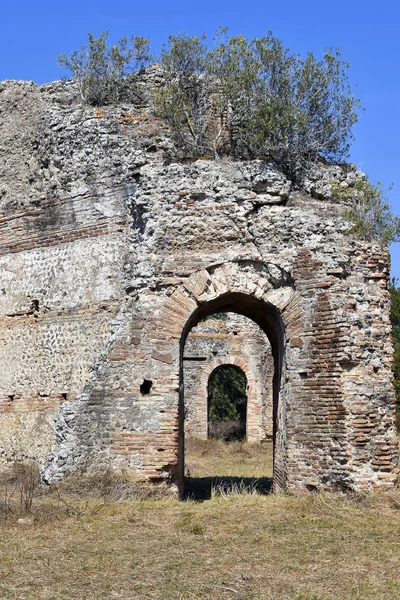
303, 375
64, 396
347, 364
146, 387
11, 397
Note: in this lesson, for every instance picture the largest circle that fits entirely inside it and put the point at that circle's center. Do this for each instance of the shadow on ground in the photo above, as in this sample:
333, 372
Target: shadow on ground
201, 488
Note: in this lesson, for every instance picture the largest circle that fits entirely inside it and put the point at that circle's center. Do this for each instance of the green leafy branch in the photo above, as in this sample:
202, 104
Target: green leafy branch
369, 212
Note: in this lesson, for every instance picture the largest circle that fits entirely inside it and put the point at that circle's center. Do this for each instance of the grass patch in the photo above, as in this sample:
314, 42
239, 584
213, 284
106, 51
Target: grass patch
321, 547
111, 538
218, 468
216, 458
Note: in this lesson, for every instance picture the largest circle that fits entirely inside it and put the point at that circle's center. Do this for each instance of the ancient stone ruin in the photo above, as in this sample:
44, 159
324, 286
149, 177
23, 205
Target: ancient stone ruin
111, 255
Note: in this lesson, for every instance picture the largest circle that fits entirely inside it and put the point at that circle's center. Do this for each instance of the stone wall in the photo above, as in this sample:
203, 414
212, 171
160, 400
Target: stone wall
111, 253
232, 340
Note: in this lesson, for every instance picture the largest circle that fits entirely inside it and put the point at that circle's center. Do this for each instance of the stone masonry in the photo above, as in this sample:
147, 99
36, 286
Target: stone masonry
111, 252
232, 340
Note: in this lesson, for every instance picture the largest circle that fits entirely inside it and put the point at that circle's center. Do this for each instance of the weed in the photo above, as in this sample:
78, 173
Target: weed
27, 477
18, 486
125, 541
237, 545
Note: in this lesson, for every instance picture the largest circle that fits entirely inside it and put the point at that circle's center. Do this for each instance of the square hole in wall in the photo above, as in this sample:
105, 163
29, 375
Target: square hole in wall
145, 387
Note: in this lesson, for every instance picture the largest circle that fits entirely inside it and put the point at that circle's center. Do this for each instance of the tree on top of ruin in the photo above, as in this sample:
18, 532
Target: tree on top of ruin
369, 211
244, 98
254, 99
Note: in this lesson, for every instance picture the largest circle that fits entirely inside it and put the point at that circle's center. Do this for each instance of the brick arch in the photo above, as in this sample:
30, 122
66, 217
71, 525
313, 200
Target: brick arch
254, 431
250, 289
232, 360
210, 284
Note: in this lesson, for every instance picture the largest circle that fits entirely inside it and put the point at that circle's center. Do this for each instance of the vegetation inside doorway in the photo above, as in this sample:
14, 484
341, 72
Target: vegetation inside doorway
227, 404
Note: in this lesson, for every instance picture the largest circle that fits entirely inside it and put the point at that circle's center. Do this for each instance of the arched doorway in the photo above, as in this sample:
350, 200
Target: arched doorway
268, 318
227, 403
228, 339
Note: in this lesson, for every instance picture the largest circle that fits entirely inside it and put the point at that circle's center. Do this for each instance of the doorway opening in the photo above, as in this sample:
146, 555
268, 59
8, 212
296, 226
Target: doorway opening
227, 404
210, 400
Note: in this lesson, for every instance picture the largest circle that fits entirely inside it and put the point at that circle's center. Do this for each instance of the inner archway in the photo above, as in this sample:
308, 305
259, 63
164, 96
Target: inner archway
227, 403
269, 320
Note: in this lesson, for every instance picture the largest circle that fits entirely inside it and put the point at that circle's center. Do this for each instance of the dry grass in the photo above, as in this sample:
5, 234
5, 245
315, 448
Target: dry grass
215, 458
317, 547
218, 468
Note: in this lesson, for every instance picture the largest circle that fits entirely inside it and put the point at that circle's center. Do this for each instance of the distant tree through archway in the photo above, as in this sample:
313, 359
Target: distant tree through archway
268, 317
227, 403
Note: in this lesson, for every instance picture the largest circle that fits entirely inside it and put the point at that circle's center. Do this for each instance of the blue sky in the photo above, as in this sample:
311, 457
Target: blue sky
368, 34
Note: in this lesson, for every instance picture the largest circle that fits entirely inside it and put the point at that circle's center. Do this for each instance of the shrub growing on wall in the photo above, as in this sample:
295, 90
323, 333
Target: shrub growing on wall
253, 98
102, 70
245, 98
369, 212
